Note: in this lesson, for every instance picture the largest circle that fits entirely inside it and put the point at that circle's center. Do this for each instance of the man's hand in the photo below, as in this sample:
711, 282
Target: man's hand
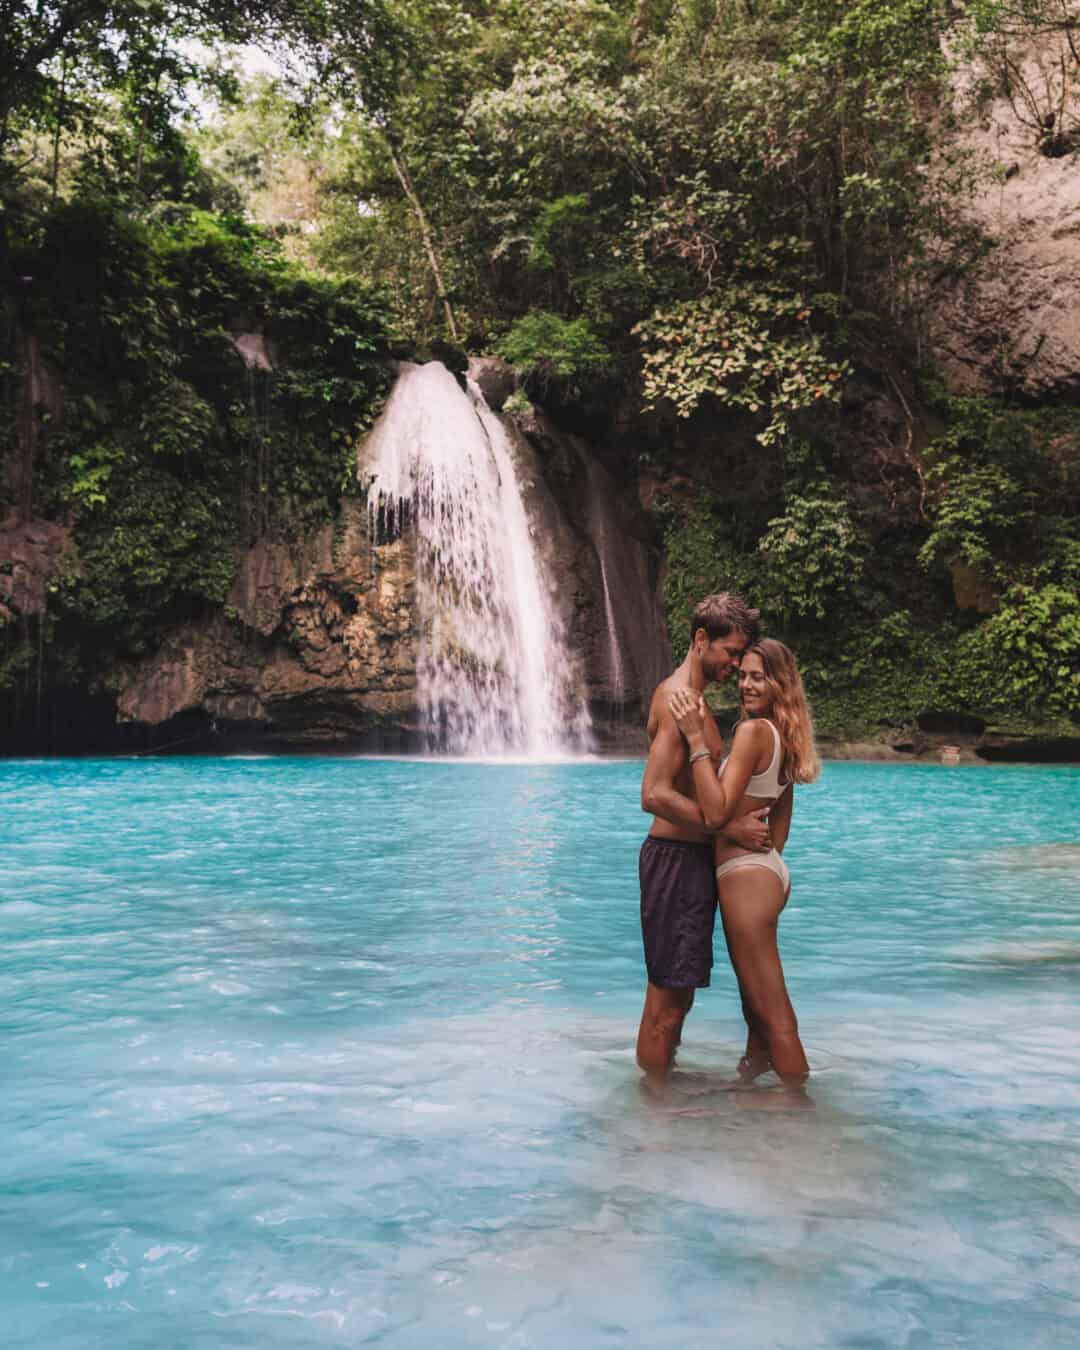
750, 831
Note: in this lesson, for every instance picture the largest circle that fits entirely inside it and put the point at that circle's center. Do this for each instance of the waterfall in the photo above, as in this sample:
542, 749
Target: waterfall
495, 674
635, 651
615, 662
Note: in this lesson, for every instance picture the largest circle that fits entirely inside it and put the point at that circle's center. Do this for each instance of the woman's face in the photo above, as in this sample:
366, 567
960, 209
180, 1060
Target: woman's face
753, 691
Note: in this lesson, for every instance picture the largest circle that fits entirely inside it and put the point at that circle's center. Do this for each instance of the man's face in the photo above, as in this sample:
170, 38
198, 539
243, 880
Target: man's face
720, 657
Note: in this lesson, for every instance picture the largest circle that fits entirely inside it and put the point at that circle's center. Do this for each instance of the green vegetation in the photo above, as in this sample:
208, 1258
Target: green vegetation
172, 451
130, 277
714, 226
884, 640
541, 344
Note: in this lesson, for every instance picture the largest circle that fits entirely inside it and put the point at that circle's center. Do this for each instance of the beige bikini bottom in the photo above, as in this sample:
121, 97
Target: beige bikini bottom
772, 860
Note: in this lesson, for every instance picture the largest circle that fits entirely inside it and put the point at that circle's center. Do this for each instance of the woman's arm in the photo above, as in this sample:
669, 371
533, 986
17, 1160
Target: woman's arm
718, 796
780, 817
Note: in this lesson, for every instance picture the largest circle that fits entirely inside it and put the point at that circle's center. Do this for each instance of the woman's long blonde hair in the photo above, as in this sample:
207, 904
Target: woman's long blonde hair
800, 762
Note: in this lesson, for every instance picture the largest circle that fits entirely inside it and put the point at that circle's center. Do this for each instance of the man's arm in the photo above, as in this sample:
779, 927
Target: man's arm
780, 817
667, 759
751, 831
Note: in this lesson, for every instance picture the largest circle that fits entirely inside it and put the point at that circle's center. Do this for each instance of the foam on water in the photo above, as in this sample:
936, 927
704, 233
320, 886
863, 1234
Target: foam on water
334, 1052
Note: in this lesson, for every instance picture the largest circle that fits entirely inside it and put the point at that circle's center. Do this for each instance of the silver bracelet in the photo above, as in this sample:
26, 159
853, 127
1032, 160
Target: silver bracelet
700, 754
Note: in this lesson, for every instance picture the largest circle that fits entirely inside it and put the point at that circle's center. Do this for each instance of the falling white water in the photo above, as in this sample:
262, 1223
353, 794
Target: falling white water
615, 661
636, 639
494, 673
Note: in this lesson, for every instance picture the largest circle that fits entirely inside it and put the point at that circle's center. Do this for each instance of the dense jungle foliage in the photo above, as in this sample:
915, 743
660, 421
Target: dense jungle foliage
703, 232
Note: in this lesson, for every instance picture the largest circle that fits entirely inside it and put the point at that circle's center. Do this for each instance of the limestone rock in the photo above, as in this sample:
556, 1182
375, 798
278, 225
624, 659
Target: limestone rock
31, 553
1013, 323
255, 351
495, 378
971, 589
268, 574
318, 641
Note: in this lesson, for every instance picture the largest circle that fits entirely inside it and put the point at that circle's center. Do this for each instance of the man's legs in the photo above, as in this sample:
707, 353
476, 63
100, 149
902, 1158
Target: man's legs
678, 911
661, 1029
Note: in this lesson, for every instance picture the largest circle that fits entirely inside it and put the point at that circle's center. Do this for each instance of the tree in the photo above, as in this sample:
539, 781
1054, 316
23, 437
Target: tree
58, 57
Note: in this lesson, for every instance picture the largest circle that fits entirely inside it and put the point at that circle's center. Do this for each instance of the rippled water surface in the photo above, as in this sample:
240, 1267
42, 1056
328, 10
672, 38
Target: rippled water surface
305, 1052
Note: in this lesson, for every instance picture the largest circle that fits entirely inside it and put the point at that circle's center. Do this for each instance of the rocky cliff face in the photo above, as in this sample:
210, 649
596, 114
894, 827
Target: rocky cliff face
601, 551
1012, 323
32, 552
317, 644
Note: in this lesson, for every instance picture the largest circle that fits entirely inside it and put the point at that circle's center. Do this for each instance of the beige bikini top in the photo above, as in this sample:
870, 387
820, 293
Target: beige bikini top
767, 784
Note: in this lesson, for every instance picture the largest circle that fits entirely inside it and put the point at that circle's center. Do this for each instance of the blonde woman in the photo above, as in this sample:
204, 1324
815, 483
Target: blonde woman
772, 750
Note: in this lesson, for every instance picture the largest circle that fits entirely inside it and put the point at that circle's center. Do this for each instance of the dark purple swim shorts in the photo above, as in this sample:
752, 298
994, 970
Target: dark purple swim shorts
678, 911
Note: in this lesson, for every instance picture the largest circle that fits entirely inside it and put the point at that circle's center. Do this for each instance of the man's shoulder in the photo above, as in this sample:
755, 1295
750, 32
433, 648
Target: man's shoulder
676, 680
658, 704
660, 718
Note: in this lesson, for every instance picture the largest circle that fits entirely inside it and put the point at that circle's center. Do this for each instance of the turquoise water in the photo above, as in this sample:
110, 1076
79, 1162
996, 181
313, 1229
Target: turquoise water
328, 1052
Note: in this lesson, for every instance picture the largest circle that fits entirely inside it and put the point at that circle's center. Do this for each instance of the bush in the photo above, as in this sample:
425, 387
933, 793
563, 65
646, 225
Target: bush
813, 554
542, 343
1026, 657
748, 346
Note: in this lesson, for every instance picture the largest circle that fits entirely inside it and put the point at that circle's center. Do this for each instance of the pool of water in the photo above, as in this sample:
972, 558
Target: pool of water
327, 1052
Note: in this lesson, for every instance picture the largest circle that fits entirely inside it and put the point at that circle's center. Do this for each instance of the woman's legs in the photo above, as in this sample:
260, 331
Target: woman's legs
755, 1060
751, 899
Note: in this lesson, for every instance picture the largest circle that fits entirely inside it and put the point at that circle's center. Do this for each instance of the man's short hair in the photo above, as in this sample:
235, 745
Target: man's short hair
723, 613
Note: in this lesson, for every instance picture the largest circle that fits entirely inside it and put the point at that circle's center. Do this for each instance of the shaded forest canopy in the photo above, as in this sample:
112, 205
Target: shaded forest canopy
706, 235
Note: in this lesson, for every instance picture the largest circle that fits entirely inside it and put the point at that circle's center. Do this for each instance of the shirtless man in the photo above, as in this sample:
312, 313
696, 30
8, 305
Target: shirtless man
678, 887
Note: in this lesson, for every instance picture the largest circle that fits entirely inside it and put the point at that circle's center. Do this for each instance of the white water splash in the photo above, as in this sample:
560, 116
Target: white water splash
494, 672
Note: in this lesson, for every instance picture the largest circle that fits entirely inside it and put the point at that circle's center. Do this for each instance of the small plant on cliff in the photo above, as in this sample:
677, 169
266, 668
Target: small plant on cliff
1028, 53
544, 344
813, 554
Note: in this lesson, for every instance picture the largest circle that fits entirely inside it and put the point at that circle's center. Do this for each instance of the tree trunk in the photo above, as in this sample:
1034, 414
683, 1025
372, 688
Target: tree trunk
59, 127
406, 182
